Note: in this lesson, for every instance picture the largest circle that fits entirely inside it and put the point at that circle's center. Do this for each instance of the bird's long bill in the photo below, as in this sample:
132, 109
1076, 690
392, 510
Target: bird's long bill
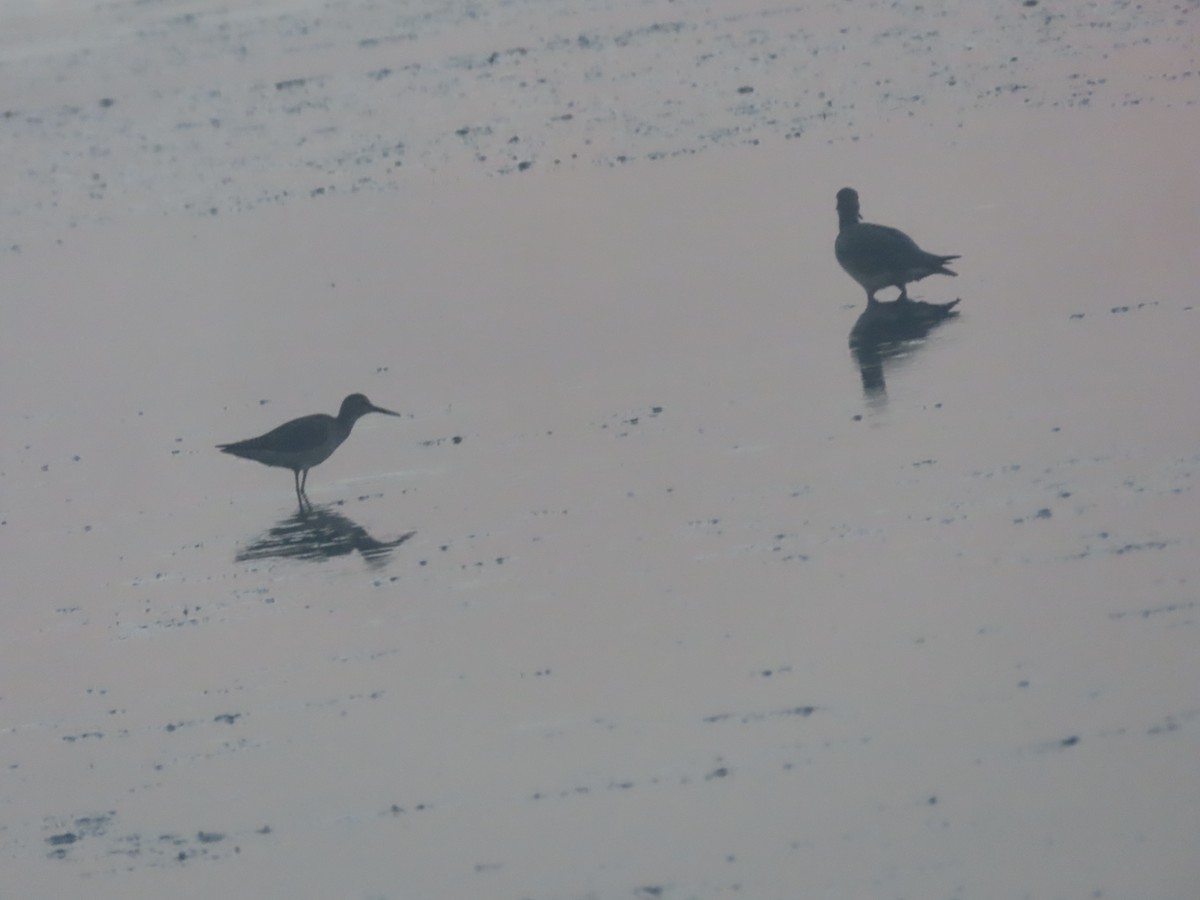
380, 409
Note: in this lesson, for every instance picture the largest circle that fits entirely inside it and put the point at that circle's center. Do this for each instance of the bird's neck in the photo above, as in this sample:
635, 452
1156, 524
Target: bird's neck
847, 219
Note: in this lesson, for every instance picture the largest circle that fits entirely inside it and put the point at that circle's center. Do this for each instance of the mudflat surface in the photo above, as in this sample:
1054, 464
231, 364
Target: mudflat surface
655, 589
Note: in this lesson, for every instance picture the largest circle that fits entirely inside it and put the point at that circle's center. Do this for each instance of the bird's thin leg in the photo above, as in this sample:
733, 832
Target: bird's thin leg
299, 487
903, 292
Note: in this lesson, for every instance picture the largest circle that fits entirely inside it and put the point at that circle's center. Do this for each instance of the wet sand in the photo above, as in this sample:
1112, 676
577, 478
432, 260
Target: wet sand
694, 607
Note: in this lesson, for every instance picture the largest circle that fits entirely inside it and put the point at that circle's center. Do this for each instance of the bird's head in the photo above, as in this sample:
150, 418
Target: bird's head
847, 203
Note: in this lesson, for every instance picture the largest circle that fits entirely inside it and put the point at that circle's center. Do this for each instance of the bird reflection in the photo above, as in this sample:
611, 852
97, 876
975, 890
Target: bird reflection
316, 534
891, 330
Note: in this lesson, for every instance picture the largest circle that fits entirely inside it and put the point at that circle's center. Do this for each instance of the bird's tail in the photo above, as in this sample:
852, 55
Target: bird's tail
941, 264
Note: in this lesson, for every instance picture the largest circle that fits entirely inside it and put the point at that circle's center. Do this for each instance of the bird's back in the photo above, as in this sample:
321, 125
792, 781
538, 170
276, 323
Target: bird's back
307, 440
877, 249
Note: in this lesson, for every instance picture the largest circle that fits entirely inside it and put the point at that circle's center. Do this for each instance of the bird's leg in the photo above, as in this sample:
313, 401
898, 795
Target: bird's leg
903, 293
299, 487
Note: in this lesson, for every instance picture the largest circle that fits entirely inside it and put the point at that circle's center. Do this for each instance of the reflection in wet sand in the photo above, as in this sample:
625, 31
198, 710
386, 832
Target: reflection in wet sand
317, 534
890, 330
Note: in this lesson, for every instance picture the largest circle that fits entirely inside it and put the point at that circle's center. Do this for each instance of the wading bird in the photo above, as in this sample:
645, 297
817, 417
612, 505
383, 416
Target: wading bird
305, 442
877, 256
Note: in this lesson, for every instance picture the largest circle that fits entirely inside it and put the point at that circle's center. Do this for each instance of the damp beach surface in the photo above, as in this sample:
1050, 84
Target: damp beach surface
656, 588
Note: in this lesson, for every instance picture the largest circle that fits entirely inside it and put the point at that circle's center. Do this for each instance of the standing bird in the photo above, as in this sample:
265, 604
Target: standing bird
305, 442
877, 256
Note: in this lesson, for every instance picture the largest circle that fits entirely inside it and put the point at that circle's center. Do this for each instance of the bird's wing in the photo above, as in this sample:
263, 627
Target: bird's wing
298, 434
878, 249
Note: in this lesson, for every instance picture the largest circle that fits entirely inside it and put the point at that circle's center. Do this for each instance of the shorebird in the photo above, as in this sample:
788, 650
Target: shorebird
877, 256
305, 442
